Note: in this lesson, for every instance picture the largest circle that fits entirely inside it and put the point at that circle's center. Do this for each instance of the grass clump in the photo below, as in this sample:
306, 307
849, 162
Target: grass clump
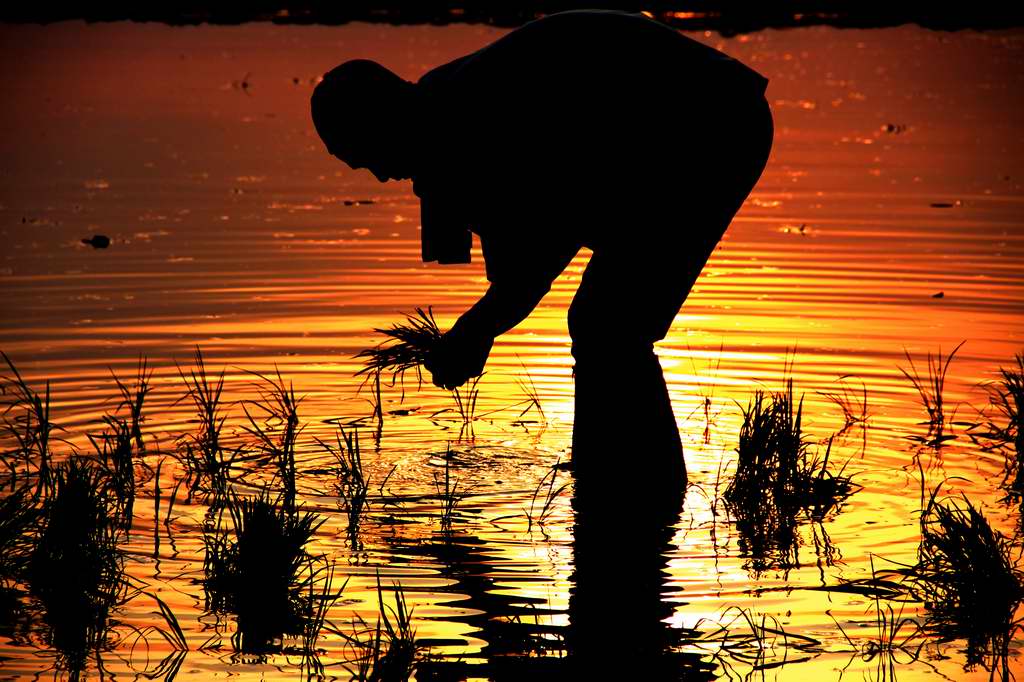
967, 581
929, 390
776, 478
385, 652
1003, 427
75, 569
258, 568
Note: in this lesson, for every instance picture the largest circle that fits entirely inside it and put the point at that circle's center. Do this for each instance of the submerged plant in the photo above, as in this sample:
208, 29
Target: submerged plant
256, 569
776, 478
929, 390
1003, 427
967, 580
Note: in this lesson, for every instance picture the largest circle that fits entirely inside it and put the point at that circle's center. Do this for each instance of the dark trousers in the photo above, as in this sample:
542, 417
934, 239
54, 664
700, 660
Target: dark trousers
643, 267
627, 456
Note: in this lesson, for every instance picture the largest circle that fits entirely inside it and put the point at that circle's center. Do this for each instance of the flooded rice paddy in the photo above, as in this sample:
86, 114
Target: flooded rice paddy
887, 224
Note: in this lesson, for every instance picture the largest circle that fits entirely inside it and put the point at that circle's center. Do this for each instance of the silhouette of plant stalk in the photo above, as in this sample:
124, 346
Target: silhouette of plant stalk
29, 429
1002, 430
929, 390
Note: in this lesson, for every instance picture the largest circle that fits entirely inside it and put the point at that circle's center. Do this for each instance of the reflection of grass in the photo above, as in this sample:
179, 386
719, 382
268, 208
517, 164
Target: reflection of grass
1003, 428
929, 389
896, 640
776, 478
967, 580
387, 651
255, 569
743, 638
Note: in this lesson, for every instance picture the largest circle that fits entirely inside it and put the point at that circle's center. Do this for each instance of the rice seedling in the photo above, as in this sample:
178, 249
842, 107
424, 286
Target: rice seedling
208, 465
708, 394
465, 401
448, 494
529, 389
408, 346
1002, 429
929, 390
27, 433
776, 478
254, 569
547, 484
352, 485
75, 569
113, 450
276, 428
134, 397
387, 651
967, 580
852, 403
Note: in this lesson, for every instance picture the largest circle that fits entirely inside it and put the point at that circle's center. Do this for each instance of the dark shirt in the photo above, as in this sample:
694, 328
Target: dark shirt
539, 140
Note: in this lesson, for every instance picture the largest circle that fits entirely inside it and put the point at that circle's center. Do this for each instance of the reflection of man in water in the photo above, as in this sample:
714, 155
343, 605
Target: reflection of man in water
589, 129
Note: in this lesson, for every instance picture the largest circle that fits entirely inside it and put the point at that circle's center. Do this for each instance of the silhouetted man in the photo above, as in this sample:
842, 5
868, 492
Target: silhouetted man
593, 129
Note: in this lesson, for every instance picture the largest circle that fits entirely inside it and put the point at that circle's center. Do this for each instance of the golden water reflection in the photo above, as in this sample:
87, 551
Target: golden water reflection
233, 230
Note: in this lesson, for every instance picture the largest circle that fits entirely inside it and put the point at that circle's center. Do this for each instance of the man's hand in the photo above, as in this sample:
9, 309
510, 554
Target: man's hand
460, 355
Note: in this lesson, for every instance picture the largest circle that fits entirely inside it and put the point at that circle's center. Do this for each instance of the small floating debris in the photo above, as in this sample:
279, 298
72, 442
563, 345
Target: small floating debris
946, 204
359, 202
894, 128
97, 241
940, 294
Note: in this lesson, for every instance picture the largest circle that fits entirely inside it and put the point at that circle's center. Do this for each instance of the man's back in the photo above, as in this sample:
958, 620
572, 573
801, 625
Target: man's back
568, 101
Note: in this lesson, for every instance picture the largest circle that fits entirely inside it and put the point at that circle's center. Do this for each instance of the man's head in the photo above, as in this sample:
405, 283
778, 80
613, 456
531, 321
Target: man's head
357, 110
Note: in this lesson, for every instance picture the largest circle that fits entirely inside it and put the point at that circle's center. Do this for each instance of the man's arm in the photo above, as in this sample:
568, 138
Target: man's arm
519, 280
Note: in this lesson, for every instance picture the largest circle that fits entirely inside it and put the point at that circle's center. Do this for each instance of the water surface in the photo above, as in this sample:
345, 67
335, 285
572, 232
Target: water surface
888, 221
